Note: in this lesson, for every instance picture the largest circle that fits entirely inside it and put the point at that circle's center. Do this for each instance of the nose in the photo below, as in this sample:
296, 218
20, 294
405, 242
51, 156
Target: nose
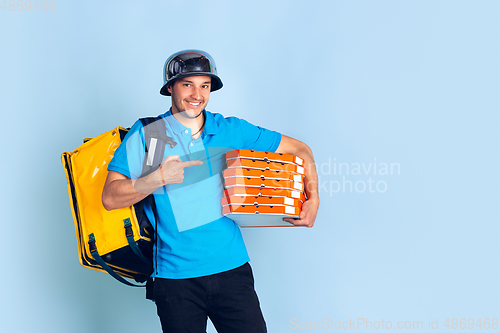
196, 93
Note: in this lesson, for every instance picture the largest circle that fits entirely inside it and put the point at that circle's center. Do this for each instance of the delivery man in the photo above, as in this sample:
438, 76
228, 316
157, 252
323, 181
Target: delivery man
201, 265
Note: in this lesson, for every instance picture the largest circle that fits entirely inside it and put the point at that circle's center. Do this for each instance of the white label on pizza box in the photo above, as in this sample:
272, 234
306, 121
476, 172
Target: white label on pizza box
289, 201
298, 160
297, 186
295, 194
289, 210
300, 169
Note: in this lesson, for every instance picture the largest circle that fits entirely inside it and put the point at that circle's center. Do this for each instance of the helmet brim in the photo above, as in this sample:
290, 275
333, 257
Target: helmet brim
216, 83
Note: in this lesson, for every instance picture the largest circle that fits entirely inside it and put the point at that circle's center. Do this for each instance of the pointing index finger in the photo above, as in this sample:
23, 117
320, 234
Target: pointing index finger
190, 163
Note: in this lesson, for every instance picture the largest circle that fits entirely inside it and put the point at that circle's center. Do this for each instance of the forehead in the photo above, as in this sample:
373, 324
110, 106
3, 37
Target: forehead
200, 79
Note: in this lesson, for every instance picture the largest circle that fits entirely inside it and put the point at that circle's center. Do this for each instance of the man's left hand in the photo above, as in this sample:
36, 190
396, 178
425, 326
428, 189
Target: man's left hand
307, 215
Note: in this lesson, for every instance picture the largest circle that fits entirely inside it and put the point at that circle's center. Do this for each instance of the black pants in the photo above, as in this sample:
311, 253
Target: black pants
228, 298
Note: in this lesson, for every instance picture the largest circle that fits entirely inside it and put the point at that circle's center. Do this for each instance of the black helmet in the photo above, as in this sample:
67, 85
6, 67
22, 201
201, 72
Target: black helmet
189, 63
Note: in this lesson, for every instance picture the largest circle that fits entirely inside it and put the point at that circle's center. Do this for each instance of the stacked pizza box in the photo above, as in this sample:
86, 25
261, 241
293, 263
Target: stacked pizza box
262, 188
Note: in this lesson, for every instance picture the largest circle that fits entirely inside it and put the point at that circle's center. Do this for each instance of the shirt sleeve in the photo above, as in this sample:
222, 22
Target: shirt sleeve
129, 156
258, 138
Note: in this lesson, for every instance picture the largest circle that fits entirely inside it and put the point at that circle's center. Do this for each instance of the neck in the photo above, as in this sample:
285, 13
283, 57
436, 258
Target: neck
194, 123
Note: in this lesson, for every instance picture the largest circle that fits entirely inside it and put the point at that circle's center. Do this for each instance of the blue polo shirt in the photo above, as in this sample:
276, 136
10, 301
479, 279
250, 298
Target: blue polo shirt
194, 239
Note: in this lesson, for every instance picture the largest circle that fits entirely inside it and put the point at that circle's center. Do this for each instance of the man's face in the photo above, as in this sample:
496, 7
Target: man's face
190, 95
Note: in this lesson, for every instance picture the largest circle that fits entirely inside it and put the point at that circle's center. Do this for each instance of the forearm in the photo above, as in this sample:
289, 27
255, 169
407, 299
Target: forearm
311, 176
122, 191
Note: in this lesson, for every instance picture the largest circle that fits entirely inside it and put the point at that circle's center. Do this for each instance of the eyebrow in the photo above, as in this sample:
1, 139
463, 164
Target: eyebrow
189, 81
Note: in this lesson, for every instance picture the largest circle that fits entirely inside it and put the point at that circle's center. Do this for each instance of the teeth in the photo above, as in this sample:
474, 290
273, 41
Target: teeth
195, 104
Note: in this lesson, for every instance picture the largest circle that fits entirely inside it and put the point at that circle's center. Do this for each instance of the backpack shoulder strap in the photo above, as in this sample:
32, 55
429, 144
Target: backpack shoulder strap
155, 136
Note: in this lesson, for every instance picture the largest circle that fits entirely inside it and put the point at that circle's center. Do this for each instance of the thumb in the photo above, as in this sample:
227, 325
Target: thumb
173, 158
303, 212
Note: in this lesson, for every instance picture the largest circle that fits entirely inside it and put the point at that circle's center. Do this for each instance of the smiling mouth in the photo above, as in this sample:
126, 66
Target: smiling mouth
195, 104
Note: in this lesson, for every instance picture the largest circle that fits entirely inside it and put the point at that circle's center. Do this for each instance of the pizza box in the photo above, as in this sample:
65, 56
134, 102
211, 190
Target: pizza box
260, 201
264, 156
260, 216
259, 221
264, 191
258, 173
262, 182
265, 165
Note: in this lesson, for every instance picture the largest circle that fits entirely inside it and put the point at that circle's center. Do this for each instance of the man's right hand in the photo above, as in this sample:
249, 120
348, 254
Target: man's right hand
120, 191
171, 170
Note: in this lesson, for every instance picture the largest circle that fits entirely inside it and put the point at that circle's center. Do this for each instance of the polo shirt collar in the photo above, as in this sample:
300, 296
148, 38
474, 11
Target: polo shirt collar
175, 125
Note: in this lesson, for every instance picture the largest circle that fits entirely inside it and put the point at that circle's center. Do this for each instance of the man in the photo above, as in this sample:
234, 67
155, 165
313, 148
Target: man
201, 263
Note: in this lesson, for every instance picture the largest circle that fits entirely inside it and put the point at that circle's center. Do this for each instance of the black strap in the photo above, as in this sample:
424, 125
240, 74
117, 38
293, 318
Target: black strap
129, 233
102, 263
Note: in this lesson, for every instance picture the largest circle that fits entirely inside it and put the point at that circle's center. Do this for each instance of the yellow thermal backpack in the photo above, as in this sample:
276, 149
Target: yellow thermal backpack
119, 242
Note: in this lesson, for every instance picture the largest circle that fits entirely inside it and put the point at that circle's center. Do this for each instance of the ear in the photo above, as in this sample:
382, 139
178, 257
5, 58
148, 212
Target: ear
169, 89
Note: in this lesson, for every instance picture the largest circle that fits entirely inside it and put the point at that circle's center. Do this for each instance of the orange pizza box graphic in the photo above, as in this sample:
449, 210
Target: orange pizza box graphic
260, 216
264, 165
264, 191
262, 182
260, 201
258, 173
264, 156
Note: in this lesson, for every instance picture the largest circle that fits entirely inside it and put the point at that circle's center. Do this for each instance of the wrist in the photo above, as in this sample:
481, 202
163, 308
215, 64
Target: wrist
162, 179
149, 183
313, 198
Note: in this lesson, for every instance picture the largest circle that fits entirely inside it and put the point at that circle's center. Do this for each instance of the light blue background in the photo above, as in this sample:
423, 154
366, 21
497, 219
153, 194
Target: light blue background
408, 82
